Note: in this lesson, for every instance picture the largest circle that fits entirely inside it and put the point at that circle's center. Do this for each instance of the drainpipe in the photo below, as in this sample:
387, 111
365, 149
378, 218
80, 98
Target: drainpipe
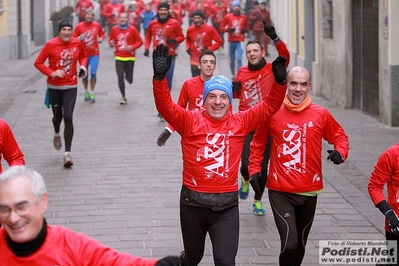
19, 26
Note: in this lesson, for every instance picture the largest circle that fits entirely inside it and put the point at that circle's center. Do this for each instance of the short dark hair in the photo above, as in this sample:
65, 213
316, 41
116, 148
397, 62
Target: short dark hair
255, 42
206, 52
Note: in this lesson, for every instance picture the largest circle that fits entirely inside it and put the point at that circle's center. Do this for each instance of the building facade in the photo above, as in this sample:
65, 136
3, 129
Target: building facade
348, 46
25, 26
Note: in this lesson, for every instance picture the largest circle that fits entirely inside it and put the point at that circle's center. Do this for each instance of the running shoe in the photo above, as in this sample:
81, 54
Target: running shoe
87, 96
67, 159
244, 189
57, 142
123, 101
258, 208
92, 97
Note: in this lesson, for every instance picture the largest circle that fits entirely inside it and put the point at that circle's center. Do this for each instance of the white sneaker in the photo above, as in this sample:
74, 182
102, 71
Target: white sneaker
67, 159
123, 101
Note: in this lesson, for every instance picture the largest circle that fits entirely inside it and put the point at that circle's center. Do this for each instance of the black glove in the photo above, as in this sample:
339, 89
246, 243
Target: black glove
231, 30
146, 52
243, 31
393, 221
189, 51
255, 182
169, 261
236, 85
163, 137
279, 70
269, 30
81, 73
161, 61
335, 157
171, 41
113, 15
257, 17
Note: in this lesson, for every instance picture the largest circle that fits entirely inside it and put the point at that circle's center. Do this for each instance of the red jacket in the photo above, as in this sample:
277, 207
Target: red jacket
256, 84
190, 96
82, 6
160, 33
9, 148
66, 247
257, 16
200, 38
124, 38
212, 148
295, 154
239, 23
61, 55
386, 171
92, 32
217, 13
111, 12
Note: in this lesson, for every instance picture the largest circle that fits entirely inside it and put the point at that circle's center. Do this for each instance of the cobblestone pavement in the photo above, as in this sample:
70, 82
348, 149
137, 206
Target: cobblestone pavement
123, 189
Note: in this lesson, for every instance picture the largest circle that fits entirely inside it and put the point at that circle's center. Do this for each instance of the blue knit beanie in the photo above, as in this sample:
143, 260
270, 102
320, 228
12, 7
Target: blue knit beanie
218, 83
236, 3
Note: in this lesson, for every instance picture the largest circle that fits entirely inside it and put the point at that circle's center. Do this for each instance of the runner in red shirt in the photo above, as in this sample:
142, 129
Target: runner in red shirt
81, 7
27, 240
252, 84
217, 12
126, 40
111, 12
199, 37
295, 176
165, 30
386, 174
90, 33
236, 24
63, 53
190, 96
211, 140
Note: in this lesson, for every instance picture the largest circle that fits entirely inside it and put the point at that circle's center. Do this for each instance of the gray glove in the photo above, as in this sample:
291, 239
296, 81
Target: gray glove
163, 137
81, 37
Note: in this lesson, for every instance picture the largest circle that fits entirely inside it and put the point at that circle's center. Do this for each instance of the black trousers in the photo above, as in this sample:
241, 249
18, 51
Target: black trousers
62, 104
124, 69
265, 163
223, 227
293, 215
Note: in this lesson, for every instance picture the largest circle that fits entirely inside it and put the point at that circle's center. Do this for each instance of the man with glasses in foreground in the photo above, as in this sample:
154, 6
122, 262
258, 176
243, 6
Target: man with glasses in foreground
27, 239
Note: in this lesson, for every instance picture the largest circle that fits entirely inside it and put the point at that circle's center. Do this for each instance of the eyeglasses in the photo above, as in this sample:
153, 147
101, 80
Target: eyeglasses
303, 85
20, 209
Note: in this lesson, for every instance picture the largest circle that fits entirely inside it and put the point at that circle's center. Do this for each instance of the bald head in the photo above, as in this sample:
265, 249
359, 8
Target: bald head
299, 70
299, 84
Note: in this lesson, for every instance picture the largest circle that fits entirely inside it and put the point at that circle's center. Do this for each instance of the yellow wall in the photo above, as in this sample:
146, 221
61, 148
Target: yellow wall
3, 20
293, 26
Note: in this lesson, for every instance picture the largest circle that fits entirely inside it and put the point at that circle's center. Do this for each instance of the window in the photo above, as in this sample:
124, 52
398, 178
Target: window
327, 19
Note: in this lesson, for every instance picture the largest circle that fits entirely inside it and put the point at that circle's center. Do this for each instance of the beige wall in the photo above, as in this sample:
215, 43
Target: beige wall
3, 20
